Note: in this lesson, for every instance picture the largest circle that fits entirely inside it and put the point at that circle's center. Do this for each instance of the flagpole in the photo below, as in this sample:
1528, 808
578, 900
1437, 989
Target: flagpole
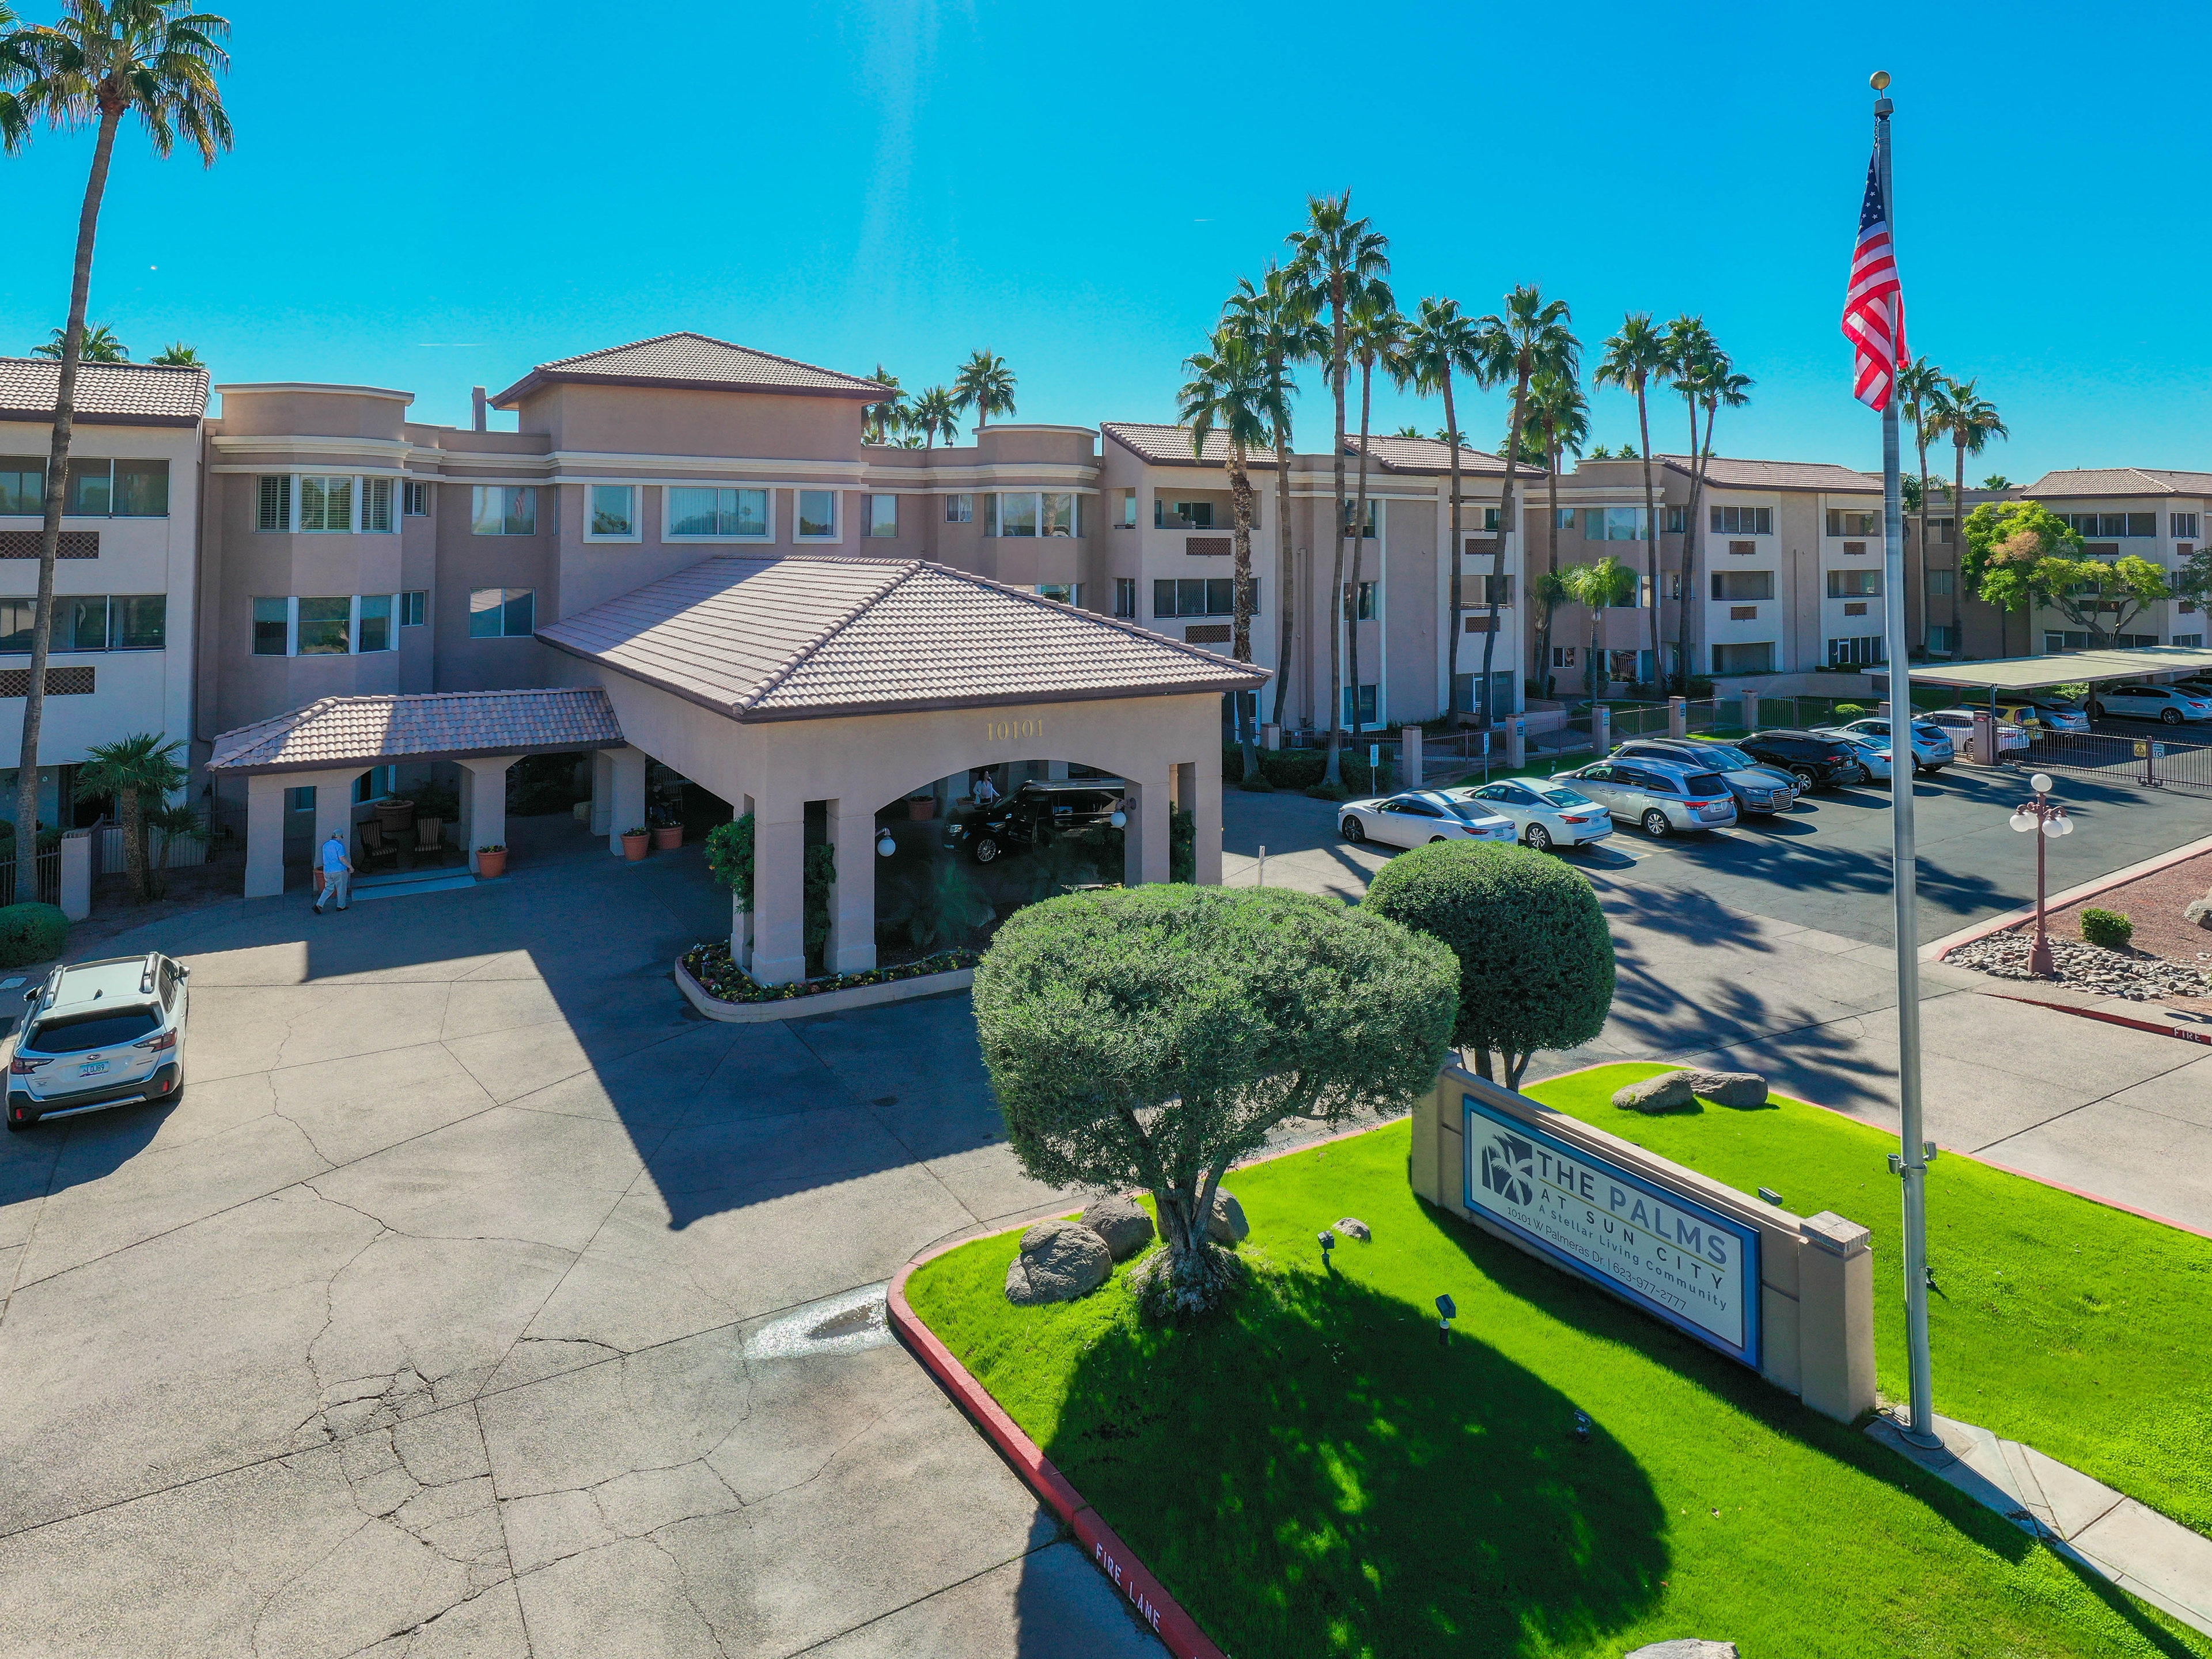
1913, 1162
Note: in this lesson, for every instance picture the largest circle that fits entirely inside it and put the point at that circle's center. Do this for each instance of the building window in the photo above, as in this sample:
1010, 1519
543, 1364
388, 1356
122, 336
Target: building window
1565, 517
1191, 515
97, 489
2195, 642
723, 513
273, 627
376, 506
817, 515
275, 503
1563, 656
1855, 584
1017, 515
1614, 523
1940, 639
89, 622
325, 626
1678, 520
375, 631
1479, 588
1743, 521
1752, 659
502, 510
301, 799
1743, 585
1125, 593
1360, 714
1199, 596
1367, 532
1670, 584
325, 505
1860, 652
138, 621
2112, 524
1064, 593
415, 498
1365, 609
23, 485
1060, 513
1490, 520
611, 513
959, 509
883, 515
2182, 527
1841, 523
412, 607
1941, 583
1939, 531
1128, 509
502, 613
378, 783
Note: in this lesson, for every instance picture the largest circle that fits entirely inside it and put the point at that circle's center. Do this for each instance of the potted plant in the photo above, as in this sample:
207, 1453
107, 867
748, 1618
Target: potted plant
395, 815
636, 842
491, 862
667, 835
921, 809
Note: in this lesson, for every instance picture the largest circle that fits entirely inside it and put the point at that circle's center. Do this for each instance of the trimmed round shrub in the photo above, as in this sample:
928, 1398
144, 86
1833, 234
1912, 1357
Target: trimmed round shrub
31, 933
1536, 955
1327, 791
2106, 927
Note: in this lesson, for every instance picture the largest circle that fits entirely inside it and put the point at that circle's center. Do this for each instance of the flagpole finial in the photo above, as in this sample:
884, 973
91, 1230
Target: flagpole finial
1879, 79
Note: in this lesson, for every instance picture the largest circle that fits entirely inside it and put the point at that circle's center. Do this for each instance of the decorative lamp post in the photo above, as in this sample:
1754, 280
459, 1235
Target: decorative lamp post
2044, 814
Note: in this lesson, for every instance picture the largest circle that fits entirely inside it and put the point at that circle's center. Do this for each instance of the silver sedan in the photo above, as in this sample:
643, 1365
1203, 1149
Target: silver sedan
1421, 816
1545, 813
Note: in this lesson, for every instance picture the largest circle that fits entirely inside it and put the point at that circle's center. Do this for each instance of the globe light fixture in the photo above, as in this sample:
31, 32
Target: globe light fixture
2041, 813
885, 846
1119, 819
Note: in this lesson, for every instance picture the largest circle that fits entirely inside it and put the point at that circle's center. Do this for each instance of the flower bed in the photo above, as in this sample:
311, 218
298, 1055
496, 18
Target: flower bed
721, 978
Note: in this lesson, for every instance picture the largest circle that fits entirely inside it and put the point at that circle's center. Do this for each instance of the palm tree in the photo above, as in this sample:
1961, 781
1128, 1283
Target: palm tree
1697, 366
1972, 421
1279, 312
17, 64
176, 355
1916, 384
1530, 337
1228, 392
1441, 343
935, 413
879, 423
1407, 432
1336, 256
139, 772
1377, 333
985, 381
1632, 358
1600, 586
101, 345
104, 60
1561, 413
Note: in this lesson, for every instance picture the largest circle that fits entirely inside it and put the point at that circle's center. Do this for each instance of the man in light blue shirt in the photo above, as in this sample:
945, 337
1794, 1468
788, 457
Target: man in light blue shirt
337, 873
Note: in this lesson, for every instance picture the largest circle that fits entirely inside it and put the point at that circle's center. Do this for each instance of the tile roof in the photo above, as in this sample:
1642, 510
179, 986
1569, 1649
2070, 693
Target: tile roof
1169, 446
763, 637
1732, 473
369, 730
130, 394
1432, 455
694, 360
2120, 481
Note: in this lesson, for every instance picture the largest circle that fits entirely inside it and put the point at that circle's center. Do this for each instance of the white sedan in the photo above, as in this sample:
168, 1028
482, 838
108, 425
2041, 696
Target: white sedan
1421, 816
1544, 813
1960, 723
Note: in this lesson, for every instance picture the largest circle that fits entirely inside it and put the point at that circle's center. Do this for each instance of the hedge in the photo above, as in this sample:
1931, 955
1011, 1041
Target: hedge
31, 932
1302, 769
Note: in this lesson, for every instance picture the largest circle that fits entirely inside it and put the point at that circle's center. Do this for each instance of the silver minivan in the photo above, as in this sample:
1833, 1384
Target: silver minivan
1663, 796
97, 1034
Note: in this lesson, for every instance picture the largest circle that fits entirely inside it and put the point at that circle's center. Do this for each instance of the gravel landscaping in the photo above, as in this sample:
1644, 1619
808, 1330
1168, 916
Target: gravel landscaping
2084, 967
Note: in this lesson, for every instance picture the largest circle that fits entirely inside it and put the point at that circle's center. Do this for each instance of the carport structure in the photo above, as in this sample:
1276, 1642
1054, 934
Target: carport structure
2066, 667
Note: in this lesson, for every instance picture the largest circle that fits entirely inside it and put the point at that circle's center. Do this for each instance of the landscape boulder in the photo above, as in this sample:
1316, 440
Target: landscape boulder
1352, 1227
1226, 1226
1121, 1222
1687, 1647
1061, 1260
1730, 1087
1663, 1093
2199, 910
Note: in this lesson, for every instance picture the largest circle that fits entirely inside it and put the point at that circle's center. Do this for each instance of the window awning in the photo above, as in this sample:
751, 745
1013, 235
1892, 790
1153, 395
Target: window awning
2066, 667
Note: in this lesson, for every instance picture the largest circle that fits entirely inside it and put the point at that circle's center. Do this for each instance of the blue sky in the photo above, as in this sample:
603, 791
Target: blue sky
1078, 188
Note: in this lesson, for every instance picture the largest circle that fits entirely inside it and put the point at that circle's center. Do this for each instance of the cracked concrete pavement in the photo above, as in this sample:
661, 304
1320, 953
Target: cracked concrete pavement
419, 1327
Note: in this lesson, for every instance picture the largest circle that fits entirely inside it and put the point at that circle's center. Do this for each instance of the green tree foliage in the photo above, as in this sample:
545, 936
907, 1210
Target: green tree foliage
1151, 1037
730, 858
176, 355
1534, 953
141, 772
100, 346
985, 381
2021, 556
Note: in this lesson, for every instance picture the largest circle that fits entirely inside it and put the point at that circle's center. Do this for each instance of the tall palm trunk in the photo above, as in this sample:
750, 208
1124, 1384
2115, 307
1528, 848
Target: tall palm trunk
1552, 456
1958, 534
1336, 369
1286, 582
1358, 548
1458, 585
135, 861
1651, 533
1691, 595
1920, 443
1484, 701
1240, 645
50, 532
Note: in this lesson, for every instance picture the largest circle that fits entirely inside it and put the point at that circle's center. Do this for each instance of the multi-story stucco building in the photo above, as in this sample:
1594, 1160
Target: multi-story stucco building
120, 658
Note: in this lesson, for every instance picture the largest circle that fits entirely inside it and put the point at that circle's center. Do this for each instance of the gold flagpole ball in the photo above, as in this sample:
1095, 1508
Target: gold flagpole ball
1879, 80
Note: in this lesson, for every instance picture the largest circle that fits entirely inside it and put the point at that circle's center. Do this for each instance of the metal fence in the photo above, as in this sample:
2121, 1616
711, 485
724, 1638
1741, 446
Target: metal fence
49, 876
163, 851
2141, 762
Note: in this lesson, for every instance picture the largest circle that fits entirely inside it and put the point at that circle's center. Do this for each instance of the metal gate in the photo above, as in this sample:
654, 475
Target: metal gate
2145, 763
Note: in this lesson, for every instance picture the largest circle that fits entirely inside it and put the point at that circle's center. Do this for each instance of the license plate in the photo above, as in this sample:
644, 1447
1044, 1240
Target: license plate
92, 1068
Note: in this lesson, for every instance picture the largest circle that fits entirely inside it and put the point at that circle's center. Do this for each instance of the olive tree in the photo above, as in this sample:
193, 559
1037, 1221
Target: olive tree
1151, 1037
1535, 956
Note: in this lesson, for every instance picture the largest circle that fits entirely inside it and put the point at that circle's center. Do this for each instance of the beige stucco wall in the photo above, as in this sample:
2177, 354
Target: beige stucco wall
673, 421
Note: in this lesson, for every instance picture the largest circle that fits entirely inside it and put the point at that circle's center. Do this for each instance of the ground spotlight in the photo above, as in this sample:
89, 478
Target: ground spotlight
1446, 1309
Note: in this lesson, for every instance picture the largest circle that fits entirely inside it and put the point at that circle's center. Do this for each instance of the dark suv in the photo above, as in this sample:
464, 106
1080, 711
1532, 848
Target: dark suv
1814, 761
1032, 815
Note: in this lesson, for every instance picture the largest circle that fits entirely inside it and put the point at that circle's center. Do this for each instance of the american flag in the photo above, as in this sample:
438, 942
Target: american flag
1874, 309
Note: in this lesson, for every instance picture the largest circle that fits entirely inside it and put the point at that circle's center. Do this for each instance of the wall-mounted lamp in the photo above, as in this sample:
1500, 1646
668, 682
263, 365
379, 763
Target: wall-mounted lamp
1120, 818
885, 846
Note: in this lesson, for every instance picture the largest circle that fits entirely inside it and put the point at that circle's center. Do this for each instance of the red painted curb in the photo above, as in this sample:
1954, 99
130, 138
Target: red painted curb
2128, 1020
1178, 1631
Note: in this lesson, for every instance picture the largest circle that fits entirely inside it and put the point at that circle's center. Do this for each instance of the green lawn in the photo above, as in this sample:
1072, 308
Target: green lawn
1313, 1475
2083, 1330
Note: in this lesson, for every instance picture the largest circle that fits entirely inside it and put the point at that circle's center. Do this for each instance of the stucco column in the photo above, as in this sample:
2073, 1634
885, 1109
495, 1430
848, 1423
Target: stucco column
779, 892
1198, 788
484, 793
626, 800
333, 811
603, 791
1145, 857
852, 947
265, 835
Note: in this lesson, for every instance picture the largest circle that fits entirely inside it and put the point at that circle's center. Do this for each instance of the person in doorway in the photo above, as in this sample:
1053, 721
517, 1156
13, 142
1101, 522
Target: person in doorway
985, 792
337, 873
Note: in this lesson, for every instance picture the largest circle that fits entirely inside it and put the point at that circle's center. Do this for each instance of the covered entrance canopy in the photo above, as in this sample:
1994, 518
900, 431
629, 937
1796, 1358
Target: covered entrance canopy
329, 743
2066, 667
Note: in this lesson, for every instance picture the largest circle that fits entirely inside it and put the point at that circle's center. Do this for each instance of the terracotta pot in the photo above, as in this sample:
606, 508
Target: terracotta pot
667, 837
395, 816
635, 846
922, 810
492, 866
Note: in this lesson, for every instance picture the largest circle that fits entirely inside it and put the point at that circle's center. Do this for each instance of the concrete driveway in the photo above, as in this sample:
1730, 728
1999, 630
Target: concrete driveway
461, 1308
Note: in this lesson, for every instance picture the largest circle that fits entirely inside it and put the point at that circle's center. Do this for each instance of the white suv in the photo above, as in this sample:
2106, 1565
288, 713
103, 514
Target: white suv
99, 1034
